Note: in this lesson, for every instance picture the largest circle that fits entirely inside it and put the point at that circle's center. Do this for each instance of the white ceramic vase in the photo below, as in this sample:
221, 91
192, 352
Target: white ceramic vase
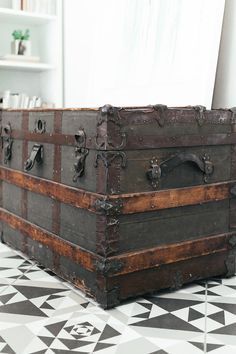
21, 47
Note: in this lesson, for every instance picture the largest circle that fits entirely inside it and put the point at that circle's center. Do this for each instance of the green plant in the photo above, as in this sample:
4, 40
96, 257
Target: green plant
19, 35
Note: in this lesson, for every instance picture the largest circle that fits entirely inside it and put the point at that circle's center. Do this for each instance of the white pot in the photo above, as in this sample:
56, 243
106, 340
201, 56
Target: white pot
15, 47
19, 47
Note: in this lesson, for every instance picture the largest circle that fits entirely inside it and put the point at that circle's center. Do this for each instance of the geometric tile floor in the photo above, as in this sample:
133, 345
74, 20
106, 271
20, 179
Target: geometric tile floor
42, 314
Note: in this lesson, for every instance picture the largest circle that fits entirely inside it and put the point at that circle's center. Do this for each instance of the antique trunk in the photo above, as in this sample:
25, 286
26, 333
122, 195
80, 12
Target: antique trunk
121, 201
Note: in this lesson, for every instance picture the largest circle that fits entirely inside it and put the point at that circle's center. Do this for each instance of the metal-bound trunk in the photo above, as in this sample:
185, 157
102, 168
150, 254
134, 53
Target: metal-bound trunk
121, 201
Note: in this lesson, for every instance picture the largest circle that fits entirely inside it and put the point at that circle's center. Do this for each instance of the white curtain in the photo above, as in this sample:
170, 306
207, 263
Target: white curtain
140, 52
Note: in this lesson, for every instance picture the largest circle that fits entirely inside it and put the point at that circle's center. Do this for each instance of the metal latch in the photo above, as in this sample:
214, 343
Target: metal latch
35, 155
80, 153
79, 165
154, 173
7, 142
200, 111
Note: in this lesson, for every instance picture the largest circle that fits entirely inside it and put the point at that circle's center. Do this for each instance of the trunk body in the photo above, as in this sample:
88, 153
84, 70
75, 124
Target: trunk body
121, 201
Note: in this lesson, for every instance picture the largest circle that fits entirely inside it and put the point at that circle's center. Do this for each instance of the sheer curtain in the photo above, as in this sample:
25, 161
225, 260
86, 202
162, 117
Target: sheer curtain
140, 52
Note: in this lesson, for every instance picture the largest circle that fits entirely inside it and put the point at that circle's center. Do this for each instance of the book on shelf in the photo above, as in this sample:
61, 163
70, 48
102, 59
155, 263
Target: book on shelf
47, 7
21, 101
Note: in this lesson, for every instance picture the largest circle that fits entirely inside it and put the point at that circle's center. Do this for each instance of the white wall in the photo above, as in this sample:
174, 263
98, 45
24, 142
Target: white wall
132, 52
5, 3
225, 87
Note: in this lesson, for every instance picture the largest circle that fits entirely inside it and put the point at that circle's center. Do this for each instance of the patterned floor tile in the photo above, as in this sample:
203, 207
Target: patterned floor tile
172, 324
185, 347
38, 273
42, 314
221, 307
217, 344
185, 313
12, 266
221, 316
223, 280
196, 291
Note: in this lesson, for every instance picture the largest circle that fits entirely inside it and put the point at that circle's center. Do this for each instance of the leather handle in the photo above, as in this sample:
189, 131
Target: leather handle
158, 171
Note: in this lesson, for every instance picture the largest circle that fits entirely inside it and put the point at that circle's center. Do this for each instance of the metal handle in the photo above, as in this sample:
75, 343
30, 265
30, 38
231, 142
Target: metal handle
35, 155
157, 171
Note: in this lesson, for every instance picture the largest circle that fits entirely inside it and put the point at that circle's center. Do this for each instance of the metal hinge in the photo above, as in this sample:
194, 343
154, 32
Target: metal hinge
108, 267
110, 114
200, 111
161, 109
233, 118
108, 157
108, 207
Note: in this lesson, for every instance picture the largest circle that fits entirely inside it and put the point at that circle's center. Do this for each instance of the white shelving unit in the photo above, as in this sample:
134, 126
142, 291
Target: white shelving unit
44, 78
13, 65
24, 17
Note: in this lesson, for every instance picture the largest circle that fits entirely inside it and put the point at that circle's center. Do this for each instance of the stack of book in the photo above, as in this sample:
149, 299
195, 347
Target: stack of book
40, 6
19, 101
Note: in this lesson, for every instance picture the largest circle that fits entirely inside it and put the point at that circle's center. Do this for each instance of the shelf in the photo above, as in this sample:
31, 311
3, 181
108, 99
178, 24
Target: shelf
25, 66
24, 17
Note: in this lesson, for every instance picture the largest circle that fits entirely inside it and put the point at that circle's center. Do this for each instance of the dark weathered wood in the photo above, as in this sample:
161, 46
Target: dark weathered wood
173, 198
69, 195
155, 257
78, 226
147, 142
123, 227
132, 203
24, 204
127, 262
172, 276
82, 278
1, 183
46, 138
167, 226
39, 110
133, 177
25, 123
55, 243
56, 208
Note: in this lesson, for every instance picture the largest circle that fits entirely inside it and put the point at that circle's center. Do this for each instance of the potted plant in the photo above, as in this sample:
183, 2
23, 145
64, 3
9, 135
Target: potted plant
21, 44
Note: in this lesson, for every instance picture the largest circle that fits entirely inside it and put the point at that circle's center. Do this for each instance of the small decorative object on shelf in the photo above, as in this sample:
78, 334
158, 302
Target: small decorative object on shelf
38, 6
19, 100
21, 44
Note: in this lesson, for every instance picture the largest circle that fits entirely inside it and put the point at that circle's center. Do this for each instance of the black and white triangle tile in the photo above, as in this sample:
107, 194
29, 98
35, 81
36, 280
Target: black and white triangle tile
221, 315
12, 265
41, 314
